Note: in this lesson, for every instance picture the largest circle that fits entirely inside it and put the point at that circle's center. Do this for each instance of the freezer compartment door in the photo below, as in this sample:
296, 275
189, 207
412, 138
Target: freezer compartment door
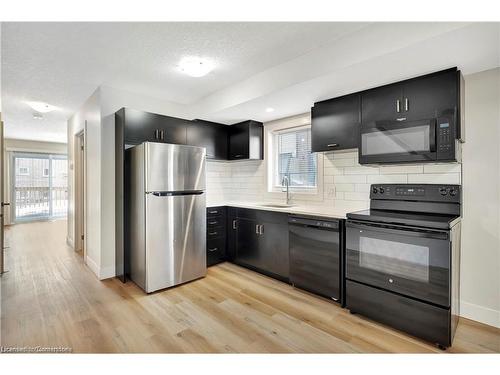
175, 239
174, 167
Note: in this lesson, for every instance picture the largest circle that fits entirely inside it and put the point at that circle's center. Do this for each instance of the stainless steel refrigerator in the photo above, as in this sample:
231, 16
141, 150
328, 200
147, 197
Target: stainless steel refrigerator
167, 214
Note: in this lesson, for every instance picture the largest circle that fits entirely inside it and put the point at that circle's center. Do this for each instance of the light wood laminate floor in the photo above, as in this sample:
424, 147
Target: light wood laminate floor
50, 298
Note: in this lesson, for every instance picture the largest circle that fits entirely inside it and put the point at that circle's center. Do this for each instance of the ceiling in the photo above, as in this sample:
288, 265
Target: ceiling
286, 66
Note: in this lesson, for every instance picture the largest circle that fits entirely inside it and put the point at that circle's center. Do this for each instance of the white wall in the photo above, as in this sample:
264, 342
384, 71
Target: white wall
11, 145
99, 111
480, 270
88, 118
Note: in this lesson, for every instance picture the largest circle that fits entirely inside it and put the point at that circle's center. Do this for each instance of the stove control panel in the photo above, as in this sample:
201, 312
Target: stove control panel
418, 192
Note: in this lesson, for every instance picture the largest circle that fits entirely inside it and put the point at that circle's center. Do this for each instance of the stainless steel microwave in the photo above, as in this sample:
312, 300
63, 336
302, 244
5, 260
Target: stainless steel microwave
427, 140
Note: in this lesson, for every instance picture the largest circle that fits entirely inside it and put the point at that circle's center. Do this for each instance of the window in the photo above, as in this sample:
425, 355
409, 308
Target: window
293, 158
24, 171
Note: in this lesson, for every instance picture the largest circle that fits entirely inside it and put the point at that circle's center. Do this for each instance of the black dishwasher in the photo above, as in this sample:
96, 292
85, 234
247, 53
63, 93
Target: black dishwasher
315, 255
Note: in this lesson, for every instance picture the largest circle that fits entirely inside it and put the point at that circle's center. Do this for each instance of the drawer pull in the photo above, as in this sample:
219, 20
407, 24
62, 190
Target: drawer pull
333, 145
212, 222
238, 156
212, 233
213, 212
213, 249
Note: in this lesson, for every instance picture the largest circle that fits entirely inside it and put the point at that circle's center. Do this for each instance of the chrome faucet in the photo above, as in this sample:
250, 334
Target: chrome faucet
286, 187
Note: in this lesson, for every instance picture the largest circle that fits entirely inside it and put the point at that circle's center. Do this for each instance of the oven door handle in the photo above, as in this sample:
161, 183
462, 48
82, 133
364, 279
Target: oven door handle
405, 231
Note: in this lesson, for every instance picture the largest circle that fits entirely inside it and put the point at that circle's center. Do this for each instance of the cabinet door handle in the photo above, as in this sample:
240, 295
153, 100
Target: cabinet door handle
407, 104
398, 106
257, 231
261, 229
213, 249
157, 134
162, 135
235, 224
332, 145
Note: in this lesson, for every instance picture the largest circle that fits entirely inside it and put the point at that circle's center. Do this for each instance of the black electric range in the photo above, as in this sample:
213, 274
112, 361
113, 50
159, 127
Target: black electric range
403, 259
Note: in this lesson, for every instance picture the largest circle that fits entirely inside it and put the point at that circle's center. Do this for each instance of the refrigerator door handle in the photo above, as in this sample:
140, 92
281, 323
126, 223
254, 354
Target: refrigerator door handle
174, 193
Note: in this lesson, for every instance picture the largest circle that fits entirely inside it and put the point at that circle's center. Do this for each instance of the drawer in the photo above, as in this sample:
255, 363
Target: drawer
216, 232
216, 251
216, 211
217, 221
423, 320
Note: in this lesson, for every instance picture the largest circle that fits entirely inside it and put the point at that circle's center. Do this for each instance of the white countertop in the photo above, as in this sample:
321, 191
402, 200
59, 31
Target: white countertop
330, 212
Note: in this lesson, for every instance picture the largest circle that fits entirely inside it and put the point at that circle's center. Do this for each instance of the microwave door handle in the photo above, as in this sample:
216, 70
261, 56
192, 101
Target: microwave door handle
433, 136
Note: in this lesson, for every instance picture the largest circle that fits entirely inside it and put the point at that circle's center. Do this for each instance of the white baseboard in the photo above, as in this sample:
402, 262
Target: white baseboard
480, 313
93, 266
107, 273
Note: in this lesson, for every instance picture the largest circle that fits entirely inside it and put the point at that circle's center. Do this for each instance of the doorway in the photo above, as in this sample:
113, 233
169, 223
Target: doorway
39, 186
80, 193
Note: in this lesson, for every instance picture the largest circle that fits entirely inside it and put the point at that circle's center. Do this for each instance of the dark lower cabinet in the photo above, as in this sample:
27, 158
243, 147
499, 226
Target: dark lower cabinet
262, 242
232, 232
216, 235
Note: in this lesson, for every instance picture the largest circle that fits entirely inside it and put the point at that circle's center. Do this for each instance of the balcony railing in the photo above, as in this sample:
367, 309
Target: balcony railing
39, 201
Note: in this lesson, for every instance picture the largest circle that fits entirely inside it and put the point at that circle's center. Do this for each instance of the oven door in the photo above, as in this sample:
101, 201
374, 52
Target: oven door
398, 141
414, 262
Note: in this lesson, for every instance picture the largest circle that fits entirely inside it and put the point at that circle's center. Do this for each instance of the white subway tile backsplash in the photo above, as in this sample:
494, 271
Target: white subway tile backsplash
433, 178
401, 169
348, 162
387, 179
361, 170
346, 183
343, 179
443, 168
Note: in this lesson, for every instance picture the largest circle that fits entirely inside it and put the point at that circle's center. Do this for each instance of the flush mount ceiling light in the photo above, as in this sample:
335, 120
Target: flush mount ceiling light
41, 107
196, 66
269, 109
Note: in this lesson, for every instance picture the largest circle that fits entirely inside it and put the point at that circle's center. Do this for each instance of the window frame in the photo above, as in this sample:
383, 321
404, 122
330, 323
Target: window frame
275, 186
274, 191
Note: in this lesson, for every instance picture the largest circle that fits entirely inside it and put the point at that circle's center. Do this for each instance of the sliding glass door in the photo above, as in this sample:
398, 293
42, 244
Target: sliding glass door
39, 186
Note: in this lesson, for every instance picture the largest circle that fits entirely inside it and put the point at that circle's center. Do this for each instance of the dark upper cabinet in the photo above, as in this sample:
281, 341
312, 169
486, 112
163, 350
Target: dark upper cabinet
211, 135
335, 123
140, 126
382, 103
433, 95
246, 140
424, 97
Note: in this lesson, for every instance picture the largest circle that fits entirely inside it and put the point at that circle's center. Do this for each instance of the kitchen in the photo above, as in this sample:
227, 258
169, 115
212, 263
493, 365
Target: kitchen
355, 219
